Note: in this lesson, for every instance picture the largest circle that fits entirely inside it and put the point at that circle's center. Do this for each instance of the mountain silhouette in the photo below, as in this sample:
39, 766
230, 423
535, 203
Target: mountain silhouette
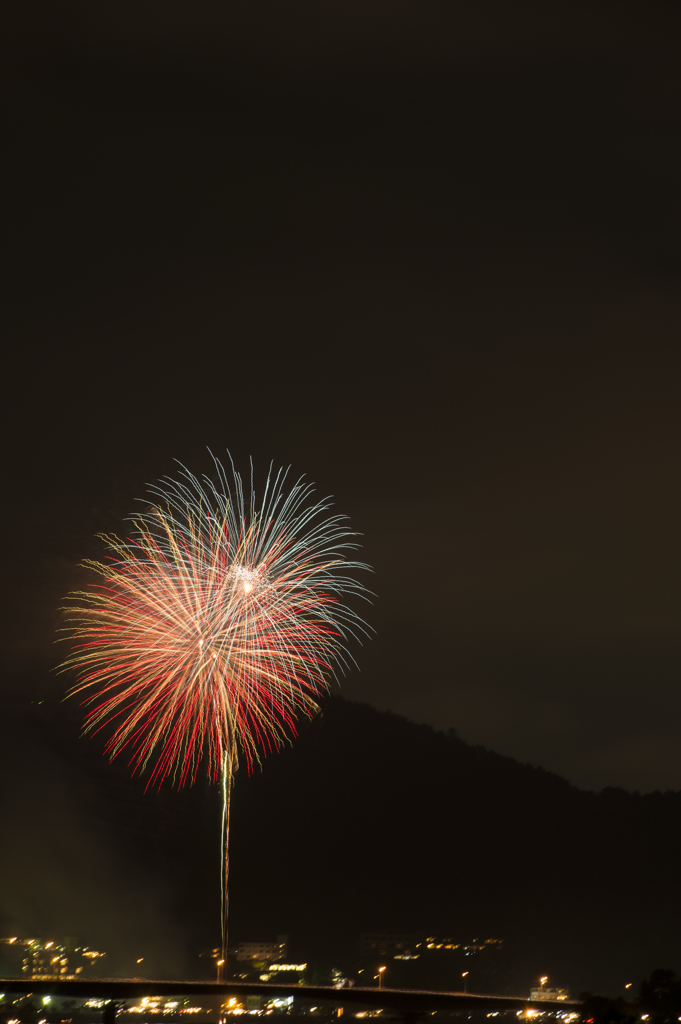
367, 822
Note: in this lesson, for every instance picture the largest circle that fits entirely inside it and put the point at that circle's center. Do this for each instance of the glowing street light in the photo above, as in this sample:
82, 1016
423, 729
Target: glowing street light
219, 965
542, 982
464, 976
380, 976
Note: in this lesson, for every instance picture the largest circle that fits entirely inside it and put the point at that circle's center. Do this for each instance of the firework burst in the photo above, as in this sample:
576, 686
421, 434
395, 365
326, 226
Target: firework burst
215, 626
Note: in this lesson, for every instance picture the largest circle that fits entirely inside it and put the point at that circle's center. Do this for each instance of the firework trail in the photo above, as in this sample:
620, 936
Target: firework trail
216, 625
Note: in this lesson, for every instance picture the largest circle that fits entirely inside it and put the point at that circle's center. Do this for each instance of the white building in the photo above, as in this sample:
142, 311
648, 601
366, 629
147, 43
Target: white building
262, 952
556, 994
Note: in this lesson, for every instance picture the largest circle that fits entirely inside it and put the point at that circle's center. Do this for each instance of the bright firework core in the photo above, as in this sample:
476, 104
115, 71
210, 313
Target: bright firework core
248, 580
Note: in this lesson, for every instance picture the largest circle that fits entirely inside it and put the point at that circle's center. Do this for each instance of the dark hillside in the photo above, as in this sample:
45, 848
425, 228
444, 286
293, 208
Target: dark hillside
385, 824
369, 822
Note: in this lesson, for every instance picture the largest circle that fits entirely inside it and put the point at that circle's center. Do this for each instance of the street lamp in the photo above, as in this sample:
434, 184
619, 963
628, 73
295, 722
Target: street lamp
219, 965
380, 976
464, 976
542, 982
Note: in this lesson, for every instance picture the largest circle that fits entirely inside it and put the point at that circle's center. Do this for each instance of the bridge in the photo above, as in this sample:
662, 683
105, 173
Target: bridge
410, 1004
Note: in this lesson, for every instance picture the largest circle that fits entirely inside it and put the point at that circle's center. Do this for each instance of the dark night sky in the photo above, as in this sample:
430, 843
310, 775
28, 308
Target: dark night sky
426, 253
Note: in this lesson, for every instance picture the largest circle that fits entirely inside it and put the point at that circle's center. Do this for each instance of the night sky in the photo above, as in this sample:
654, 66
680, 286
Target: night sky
427, 254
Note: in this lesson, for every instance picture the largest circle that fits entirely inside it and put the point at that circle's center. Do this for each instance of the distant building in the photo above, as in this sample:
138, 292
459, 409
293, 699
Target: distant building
387, 944
557, 994
407, 946
278, 969
262, 952
36, 958
467, 948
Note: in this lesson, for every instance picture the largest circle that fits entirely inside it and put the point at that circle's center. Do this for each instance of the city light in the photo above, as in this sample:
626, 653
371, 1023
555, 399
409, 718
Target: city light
233, 1007
155, 1004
